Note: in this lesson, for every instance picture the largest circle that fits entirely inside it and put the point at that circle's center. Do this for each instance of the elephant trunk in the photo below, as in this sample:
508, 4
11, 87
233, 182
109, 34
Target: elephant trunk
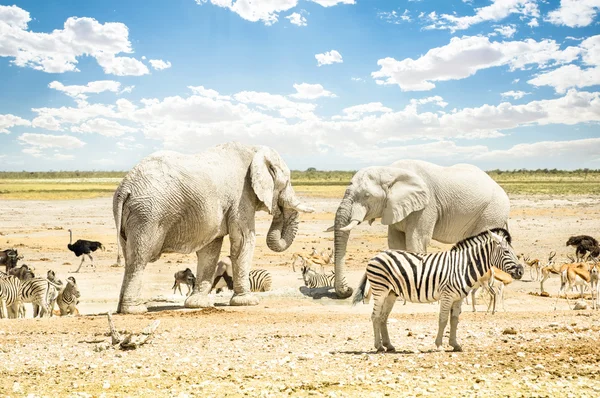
343, 217
283, 229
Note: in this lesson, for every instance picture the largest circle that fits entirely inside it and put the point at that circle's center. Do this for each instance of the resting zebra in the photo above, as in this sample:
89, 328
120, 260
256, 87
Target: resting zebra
68, 298
312, 279
445, 276
260, 280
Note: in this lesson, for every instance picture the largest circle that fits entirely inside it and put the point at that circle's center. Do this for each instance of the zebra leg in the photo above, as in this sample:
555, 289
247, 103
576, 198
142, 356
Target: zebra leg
473, 295
445, 307
454, 314
376, 318
36, 310
388, 304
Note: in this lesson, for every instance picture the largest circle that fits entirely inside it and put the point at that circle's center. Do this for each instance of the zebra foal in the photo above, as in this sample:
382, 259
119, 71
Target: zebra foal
68, 298
445, 276
260, 280
312, 279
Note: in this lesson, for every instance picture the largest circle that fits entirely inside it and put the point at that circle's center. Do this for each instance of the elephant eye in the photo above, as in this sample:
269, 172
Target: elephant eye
367, 195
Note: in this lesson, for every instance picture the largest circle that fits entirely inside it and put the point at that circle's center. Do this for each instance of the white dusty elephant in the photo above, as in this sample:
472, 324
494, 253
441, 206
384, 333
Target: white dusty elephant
171, 202
418, 201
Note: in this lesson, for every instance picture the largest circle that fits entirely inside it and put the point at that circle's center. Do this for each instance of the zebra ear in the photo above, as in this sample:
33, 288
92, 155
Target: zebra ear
499, 239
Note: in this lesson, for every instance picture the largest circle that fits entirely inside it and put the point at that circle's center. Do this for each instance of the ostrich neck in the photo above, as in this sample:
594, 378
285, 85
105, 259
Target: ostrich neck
70, 237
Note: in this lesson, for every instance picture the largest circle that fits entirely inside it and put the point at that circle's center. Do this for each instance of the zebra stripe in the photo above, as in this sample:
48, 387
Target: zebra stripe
36, 291
9, 295
446, 276
313, 279
68, 297
260, 280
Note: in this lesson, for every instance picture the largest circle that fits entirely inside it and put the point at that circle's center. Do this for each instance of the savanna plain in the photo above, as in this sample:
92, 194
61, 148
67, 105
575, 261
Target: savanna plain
292, 343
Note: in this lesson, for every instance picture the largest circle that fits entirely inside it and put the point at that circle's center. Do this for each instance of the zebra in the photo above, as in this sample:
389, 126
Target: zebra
446, 276
68, 297
9, 295
312, 279
260, 280
38, 292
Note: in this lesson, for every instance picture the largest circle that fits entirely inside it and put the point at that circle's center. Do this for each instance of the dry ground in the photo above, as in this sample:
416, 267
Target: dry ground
292, 344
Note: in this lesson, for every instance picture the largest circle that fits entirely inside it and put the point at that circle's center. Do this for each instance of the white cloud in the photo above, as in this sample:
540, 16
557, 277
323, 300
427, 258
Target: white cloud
357, 79
533, 23
329, 58
297, 19
394, 17
57, 52
356, 111
105, 127
62, 156
159, 64
47, 122
589, 147
330, 3
285, 107
574, 13
42, 141
8, 121
432, 150
497, 11
209, 93
464, 56
122, 66
514, 94
311, 91
265, 11
506, 30
566, 77
92, 87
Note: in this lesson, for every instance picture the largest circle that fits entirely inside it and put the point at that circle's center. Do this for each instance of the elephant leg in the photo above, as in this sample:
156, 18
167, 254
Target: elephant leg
396, 239
131, 288
242, 250
454, 314
419, 232
208, 257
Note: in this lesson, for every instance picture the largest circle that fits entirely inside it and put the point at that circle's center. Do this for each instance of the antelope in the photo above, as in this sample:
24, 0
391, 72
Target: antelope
487, 281
574, 274
302, 257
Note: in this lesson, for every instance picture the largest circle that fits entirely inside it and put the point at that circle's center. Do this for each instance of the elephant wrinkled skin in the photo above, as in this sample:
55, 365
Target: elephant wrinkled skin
418, 201
176, 203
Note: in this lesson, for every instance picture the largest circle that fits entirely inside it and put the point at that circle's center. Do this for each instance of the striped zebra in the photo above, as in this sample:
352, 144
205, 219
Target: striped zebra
260, 280
312, 279
68, 297
446, 276
38, 292
9, 296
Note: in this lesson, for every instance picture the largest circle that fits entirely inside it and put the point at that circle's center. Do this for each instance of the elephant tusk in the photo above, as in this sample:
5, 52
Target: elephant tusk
304, 208
371, 221
349, 227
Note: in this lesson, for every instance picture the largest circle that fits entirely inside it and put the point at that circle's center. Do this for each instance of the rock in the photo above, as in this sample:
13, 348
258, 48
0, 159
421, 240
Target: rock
509, 330
580, 305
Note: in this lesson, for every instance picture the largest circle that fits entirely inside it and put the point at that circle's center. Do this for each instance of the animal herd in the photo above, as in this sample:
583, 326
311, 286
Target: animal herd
176, 203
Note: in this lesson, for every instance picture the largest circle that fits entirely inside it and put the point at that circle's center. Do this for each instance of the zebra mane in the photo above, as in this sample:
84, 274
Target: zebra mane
500, 231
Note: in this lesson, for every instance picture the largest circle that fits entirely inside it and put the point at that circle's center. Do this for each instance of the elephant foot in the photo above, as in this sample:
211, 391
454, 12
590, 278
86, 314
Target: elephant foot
198, 300
344, 292
131, 309
244, 299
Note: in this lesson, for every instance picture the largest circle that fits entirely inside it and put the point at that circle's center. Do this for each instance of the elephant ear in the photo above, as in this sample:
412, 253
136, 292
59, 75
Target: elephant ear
263, 174
406, 194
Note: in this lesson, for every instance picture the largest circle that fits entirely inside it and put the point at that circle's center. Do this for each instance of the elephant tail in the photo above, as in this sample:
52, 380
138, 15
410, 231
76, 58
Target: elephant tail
120, 199
359, 295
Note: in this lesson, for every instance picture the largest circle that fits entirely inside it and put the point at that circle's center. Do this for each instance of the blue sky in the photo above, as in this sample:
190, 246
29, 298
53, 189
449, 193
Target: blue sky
331, 84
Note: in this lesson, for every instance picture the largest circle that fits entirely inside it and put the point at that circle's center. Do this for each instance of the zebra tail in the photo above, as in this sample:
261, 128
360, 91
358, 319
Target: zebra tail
359, 295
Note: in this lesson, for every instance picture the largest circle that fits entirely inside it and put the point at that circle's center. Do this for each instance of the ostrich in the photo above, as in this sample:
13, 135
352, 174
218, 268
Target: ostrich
583, 245
84, 247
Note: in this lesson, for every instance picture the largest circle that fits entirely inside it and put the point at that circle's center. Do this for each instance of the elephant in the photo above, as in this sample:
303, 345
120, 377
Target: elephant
177, 203
418, 201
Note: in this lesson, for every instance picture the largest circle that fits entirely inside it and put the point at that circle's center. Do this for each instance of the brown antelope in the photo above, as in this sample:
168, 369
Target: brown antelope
493, 282
302, 256
533, 264
573, 275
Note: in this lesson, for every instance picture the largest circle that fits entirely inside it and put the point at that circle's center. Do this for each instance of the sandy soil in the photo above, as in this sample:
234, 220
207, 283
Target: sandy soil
292, 344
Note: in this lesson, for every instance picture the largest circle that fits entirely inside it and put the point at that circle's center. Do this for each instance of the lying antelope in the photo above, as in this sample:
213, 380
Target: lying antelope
302, 256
